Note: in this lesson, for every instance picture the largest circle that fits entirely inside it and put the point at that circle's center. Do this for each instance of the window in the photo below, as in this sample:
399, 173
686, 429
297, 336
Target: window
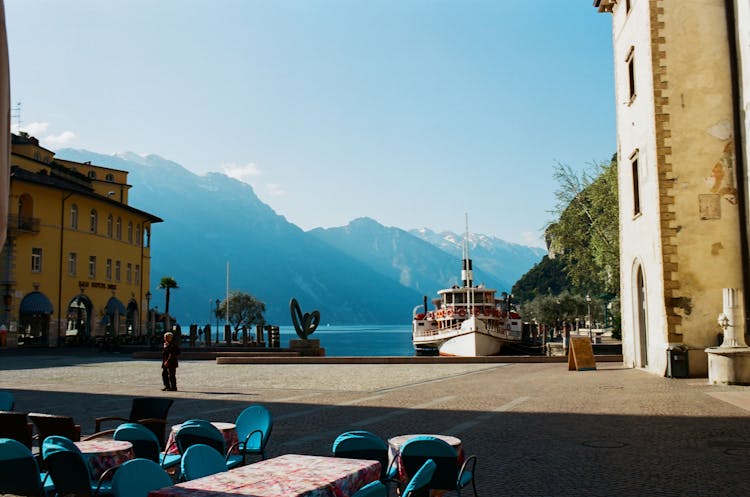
36, 260
117, 270
130, 232
137, 274
636, 184
110, 177
109, 226
74, 217
129, 273
92, 174
108, 269
630, 61
93, 221
118, 229
72, 263
92, 266
137, 234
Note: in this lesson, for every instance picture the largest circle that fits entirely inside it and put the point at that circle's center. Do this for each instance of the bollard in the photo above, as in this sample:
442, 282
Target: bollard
274, 338
244, 336
207, 335
228, 334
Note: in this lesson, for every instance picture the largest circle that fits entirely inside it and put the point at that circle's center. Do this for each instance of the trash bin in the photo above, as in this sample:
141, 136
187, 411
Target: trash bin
677, 361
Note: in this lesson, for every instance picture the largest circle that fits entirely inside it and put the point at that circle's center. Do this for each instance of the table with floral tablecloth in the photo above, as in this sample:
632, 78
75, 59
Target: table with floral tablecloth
104, 453
290, 475
229, 430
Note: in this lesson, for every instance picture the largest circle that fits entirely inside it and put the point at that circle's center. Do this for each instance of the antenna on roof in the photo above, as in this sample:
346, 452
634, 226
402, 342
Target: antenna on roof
16, 114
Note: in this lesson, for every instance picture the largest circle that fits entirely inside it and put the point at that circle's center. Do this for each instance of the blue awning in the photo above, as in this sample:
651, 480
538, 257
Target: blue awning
114, 306
36, 303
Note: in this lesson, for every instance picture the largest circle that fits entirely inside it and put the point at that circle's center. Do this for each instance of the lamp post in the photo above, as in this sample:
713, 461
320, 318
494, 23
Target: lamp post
148, 311
217, 320
588, 313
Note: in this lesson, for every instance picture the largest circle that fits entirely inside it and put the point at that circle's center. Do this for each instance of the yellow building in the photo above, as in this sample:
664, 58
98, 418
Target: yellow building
682, 162
76, 263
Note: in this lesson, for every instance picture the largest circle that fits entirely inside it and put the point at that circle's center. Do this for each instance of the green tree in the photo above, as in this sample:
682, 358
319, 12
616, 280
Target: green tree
167, 283
244, 310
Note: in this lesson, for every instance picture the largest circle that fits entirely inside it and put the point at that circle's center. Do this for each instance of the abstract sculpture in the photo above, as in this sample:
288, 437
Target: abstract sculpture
304, 324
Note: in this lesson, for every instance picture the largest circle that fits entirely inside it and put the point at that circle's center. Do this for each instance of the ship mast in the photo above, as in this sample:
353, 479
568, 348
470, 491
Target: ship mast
466, 270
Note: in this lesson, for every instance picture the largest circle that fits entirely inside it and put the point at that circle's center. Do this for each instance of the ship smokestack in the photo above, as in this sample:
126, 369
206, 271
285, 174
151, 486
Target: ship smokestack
467, 275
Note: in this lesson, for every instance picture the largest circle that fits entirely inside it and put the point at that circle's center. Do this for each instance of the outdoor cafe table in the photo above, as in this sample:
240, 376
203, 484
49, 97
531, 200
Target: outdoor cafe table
104, 453
290, 475
229, 430
394, 452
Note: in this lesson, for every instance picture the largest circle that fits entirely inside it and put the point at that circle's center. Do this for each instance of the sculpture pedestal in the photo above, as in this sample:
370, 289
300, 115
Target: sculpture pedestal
728, 365
307, 348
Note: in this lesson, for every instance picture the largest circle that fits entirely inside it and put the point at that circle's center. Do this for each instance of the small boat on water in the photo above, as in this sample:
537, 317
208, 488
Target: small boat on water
467, 320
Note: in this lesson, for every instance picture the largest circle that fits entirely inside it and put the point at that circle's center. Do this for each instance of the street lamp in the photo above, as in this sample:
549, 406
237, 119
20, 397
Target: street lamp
217, 320
588, 305
148, 311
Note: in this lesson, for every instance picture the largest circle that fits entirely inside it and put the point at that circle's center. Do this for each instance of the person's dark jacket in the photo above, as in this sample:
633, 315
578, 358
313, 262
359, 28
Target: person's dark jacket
169, 355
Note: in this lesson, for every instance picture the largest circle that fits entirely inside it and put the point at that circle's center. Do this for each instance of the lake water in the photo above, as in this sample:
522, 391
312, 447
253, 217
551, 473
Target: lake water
357, 341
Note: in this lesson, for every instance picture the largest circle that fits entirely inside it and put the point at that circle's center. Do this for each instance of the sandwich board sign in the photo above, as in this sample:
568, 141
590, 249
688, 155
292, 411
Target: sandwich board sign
581, 355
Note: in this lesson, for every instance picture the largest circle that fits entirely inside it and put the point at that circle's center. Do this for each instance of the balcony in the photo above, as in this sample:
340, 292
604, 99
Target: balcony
22, 224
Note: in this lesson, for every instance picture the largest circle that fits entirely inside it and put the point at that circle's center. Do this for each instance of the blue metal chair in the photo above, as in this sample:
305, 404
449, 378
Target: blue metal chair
374, 489
201, 460
137, 477
19, 472
69, 469
254, 425
198, 431
362, 444
420, 482
448, 476
145, 444
7, 401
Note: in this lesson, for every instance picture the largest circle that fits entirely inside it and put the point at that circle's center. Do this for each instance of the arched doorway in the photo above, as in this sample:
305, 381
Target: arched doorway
641, 323
114, 326
78, 329
132, 324
33, 323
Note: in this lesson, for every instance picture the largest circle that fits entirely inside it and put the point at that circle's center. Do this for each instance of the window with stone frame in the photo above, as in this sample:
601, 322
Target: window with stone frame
630, 62
108, 269
92, 266
636, 183
36, 260
72, 263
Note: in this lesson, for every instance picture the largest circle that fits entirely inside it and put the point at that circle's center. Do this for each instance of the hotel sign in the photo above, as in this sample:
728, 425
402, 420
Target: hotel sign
96, 284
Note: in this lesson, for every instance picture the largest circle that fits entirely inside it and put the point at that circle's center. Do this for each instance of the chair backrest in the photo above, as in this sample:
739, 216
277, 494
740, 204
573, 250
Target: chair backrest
19, 472
362, 445
145, 444
374, 489
49, 424
7, 401
421, 479
194, 431
137, 477
152, 412
15, 425
254, 425
201, 460
417, 450
66, 466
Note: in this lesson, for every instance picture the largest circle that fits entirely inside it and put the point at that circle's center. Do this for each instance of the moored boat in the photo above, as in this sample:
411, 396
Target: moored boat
466, 320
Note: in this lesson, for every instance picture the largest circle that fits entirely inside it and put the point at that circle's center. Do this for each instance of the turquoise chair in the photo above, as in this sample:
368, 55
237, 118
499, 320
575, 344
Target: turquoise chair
201, 460
145, 444
374, 489
19, 472
7, 401
137, 477
363, 444
198, 431
420, 482
254, 425
69, 469
448, 476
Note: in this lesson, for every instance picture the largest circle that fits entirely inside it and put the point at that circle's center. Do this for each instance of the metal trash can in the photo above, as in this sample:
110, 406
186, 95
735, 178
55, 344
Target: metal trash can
677, 361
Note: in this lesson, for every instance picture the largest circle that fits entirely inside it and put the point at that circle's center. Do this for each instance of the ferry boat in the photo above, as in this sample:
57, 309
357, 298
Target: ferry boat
466, 320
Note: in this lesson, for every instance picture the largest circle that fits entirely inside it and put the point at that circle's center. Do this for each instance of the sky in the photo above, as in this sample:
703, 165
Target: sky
411, 112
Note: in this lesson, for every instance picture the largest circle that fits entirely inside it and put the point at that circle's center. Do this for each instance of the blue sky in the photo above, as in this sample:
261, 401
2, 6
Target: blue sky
411, 112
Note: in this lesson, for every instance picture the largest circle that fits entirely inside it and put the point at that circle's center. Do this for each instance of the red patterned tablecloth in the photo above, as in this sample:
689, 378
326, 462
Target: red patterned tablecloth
290, 475
229, 430
104, 453
394, 451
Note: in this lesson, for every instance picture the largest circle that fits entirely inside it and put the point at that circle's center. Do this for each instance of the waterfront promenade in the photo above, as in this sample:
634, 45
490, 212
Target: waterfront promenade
537, 429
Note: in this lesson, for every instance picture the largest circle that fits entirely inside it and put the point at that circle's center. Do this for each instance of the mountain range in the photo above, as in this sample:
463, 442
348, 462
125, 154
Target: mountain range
362, 273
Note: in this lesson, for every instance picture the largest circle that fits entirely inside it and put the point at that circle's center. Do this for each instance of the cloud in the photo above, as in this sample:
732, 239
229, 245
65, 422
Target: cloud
34, 129
245, 173
275, 190
62, 139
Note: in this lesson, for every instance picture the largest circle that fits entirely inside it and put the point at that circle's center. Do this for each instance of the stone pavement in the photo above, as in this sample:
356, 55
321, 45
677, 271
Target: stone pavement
537, 429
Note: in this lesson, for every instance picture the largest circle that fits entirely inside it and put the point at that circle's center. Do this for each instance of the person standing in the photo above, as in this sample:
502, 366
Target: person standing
169, 362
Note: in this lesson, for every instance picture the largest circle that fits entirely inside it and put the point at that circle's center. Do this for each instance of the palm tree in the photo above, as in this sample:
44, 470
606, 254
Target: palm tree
167, 283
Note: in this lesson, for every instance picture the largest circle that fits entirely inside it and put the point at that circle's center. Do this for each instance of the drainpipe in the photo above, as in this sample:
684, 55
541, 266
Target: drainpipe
739, 152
